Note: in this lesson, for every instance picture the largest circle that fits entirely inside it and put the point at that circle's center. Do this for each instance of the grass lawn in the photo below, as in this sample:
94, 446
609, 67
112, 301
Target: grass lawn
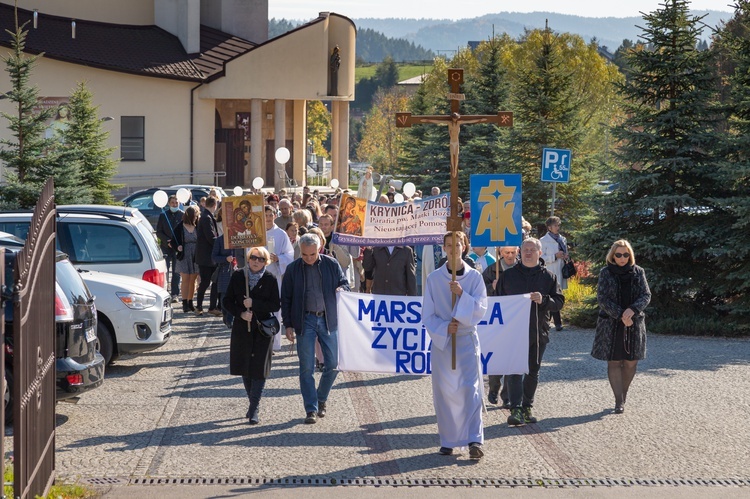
405, 71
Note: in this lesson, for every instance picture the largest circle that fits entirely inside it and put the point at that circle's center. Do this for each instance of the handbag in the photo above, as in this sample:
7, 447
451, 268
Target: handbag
269, 327
179, 255
569, 269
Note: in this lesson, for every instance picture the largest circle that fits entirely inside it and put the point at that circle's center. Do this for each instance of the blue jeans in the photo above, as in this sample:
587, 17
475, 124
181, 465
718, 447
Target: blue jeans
315, 327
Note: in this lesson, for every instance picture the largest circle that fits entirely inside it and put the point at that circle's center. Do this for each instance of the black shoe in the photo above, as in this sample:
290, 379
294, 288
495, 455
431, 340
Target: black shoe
492, 397
528, 418
516, 417
558, 328
321, 409
619, 409
311, 418
506, 404
445, 451
254, 420
191, 305
185, 307
475, 451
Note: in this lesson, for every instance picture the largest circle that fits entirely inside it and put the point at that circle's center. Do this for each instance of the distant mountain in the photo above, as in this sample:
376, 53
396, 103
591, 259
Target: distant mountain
442, 35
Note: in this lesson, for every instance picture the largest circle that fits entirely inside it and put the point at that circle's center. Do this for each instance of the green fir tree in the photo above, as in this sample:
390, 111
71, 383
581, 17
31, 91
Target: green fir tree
85, 140
665, 205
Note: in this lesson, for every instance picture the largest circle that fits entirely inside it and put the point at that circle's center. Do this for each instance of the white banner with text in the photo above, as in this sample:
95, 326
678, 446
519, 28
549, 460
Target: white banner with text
384, 334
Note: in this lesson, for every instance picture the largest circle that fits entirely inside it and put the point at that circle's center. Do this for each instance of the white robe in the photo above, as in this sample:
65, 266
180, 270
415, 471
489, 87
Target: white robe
283, 249
457, 395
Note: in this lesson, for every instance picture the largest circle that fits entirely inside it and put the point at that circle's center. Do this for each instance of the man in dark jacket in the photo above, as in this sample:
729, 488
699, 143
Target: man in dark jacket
168, 220
308, 308
530, 277
393, 270
207, 232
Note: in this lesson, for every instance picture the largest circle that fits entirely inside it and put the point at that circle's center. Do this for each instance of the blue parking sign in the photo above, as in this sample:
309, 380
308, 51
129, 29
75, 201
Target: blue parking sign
556, 165
496, 210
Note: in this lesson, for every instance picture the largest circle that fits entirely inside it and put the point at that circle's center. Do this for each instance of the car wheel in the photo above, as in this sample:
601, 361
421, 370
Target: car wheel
106, 343
8, 396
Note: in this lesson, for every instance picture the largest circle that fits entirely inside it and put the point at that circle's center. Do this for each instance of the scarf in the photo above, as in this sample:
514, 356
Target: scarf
560, 241
254, 277
624, 276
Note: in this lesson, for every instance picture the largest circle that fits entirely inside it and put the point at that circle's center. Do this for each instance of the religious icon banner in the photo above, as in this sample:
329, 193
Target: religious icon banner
366, 223
384, 334
496, 210
243, 221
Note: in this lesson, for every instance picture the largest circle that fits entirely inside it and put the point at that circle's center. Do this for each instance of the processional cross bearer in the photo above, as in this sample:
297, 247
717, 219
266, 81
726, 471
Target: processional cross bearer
454, 122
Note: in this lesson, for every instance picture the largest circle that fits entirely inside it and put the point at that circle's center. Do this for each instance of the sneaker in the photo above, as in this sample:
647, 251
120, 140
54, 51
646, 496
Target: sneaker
311, 418
215, 312
492, 397
475, 451
528, 418
445, 451
198, 311
516, 417
321, 409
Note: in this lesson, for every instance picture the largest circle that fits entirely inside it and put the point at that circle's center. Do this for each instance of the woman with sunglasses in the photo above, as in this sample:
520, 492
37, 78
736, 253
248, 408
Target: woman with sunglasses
252, 295
623, 295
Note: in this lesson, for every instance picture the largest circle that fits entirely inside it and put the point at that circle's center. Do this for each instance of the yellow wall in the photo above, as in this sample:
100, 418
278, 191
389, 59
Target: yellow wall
294, 66
109, 11
165, 104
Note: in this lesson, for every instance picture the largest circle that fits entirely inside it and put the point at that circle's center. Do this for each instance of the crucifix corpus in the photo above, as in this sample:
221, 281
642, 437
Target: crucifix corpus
454, 122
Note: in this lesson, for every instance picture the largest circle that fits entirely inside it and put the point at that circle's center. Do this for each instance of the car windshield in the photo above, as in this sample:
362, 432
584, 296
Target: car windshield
149, 237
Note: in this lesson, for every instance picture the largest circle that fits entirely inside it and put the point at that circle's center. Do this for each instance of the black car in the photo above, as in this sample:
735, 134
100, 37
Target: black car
144, 200
79, 367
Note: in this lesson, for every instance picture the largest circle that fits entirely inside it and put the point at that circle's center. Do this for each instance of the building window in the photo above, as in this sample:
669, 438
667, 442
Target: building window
132, 142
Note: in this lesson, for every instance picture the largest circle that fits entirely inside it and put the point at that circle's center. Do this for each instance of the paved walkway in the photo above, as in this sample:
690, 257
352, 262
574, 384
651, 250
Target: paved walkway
177, 415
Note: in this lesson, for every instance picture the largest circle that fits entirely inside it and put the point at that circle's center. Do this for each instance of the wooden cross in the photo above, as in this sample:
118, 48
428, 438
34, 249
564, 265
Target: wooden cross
454, 122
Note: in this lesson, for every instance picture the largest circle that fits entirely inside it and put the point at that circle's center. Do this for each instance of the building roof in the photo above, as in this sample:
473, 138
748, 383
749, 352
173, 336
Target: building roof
141, 50
416, 80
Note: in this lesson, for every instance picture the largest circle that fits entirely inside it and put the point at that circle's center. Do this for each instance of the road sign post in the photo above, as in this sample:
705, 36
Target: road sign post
555, 169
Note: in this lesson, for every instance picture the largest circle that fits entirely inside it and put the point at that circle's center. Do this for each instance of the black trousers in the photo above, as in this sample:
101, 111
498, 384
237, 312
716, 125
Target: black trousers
205, 273
522, 387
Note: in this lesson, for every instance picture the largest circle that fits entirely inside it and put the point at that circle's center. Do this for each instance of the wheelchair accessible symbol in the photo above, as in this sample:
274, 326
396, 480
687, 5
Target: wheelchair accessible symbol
556, 165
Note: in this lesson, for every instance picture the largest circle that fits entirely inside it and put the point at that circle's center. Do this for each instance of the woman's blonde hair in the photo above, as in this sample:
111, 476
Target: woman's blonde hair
262, 251
620, 243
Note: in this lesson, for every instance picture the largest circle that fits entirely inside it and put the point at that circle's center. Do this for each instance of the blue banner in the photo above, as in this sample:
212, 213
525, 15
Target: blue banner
496, 204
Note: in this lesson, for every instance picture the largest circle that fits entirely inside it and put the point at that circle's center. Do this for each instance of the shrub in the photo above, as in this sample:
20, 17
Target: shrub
580, 301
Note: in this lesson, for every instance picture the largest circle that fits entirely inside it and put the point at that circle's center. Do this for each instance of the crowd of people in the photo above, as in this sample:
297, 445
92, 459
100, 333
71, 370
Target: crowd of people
290, 286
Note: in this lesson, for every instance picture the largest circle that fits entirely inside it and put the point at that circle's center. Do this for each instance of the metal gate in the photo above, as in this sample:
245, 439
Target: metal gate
34, 353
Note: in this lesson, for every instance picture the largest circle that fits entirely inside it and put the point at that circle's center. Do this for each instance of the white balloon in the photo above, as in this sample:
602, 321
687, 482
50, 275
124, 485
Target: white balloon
409, 189
257, 183
183, 195
334, 183
160, 199
282, 155
237, 190
398, 198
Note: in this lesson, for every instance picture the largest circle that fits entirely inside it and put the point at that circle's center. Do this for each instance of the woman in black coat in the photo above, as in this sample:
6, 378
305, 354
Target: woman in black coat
623, 295
249, 349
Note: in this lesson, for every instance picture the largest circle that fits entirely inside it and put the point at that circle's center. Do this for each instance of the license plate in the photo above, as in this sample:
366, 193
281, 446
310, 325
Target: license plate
167, 314
90, 334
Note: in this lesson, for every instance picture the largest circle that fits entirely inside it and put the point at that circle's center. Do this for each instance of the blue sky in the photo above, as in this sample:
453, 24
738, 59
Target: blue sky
460, 9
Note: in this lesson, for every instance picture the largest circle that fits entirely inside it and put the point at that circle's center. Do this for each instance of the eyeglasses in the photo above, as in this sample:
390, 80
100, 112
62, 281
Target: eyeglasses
622, 255
256, 258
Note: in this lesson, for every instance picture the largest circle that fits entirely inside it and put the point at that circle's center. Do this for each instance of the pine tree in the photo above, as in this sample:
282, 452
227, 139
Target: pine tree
29, 157
546, 114
487, 93
665, 204
85, 142
734, 255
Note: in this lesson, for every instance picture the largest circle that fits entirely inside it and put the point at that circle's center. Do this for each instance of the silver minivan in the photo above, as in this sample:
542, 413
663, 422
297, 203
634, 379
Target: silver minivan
97, 239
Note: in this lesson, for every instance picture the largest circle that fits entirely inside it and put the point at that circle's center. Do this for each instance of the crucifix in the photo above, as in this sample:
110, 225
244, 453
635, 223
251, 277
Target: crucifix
454, 122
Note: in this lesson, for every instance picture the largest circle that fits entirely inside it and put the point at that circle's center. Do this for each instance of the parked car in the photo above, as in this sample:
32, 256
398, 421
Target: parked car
133, 316
144, 200
97, 239
79, 367
219, 190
